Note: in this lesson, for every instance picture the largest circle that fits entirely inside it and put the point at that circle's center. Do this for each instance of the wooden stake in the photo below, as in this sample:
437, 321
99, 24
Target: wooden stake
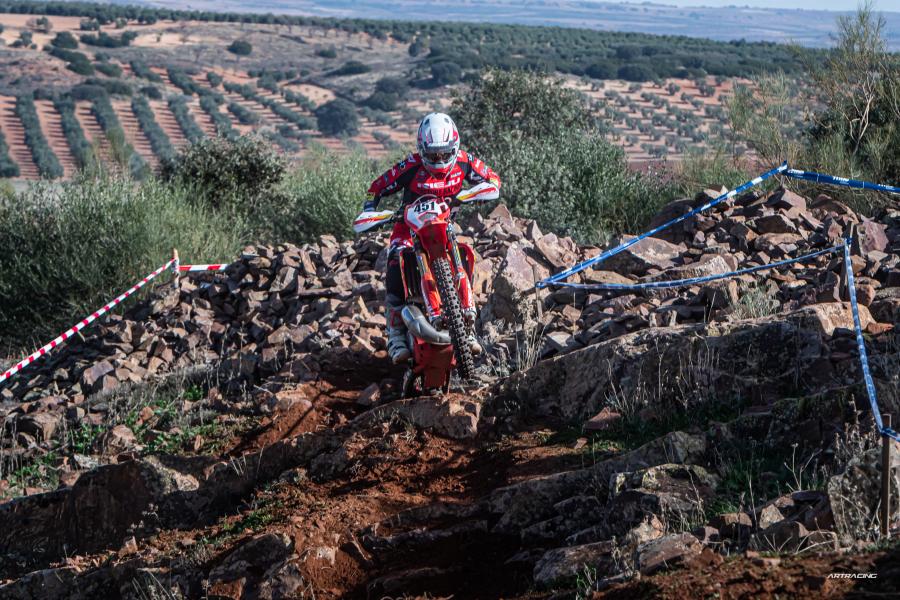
176, 264
853, 234
886, 442
539, 308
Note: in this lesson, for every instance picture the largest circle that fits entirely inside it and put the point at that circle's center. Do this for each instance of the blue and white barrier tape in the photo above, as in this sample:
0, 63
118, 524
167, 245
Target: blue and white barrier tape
554, 279
695, 280
830, 179
861, 346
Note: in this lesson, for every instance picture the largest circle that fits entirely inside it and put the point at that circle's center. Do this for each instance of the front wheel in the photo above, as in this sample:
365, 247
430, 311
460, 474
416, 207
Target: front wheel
453, 317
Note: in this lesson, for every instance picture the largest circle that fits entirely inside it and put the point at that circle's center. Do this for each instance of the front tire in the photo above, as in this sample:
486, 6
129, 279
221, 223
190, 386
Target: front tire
453, 317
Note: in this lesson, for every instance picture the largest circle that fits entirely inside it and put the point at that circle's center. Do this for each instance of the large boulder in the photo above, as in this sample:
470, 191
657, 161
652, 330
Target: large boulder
511, 296
561, 564
771, 352
649, 253
666, 552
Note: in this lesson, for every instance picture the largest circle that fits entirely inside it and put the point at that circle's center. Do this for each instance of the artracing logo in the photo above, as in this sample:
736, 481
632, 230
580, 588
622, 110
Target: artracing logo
853, 576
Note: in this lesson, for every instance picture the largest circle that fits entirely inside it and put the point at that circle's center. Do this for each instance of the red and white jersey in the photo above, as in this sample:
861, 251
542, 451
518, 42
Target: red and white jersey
414, 179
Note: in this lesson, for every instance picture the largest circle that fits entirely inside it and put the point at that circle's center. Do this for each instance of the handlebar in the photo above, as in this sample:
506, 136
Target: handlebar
372, 219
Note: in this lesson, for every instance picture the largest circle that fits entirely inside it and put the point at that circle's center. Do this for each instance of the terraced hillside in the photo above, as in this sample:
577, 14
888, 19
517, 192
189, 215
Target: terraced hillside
290, 72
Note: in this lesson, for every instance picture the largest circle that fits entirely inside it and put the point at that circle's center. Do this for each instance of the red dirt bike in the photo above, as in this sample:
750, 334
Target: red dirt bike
437, 280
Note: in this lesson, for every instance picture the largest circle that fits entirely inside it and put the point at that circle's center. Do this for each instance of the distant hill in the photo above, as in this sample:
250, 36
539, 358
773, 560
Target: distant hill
806, 27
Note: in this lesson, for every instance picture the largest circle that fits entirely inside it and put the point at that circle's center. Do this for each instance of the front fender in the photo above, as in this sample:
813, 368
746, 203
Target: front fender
435, 241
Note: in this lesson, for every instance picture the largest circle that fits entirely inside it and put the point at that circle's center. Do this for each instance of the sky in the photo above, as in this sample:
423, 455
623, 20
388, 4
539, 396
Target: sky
882, 5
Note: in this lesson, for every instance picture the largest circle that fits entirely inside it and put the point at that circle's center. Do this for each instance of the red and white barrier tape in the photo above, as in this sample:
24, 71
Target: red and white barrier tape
192, 268
82, 324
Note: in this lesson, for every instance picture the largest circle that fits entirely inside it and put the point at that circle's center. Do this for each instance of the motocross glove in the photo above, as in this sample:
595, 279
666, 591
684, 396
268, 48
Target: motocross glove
369, 205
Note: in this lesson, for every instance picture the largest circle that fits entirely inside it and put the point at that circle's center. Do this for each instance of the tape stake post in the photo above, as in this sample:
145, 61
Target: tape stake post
176, 264
613, 251
58, 341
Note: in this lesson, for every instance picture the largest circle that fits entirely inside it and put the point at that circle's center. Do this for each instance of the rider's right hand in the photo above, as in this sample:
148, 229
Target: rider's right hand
369, 206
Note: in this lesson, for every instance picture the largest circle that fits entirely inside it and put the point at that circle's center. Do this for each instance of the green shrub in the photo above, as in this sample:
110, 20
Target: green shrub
385, 101
66, 40
244, 115
221, 121
351, 67
190, 129
105, 233
329, 52
240, 171
268, 82
601, 70
122, 152
214, 79
298, 99
159, 141
392, 85
8, 168
115, 87
152, 92
140, 69
526, 126
88, 92
183, 81
321, 195
337, 118
46, 161
76, 62
445, 73
80, 68
109, 69
78, 144
636, 73
104, 40
240, 48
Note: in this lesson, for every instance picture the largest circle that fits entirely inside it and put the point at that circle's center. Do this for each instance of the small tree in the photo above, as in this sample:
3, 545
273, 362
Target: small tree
65, 40
242, 170
240, 48
445, 73
338, 118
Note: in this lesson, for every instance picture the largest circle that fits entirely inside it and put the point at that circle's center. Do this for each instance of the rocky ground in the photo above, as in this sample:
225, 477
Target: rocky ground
240, 435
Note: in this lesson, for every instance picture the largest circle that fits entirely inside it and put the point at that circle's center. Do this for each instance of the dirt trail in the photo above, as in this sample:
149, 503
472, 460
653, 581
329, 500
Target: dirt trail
15, 139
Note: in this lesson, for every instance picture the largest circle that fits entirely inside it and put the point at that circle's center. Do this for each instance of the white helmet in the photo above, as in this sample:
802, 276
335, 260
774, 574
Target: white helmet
438, 143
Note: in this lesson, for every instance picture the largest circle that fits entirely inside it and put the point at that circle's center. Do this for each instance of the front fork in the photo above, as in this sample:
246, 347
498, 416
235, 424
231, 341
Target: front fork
429, 287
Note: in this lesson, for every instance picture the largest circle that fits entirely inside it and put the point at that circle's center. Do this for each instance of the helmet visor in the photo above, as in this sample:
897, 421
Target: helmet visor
439, 157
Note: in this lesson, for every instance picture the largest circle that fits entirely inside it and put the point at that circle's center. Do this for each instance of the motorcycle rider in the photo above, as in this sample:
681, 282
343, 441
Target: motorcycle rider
439, 168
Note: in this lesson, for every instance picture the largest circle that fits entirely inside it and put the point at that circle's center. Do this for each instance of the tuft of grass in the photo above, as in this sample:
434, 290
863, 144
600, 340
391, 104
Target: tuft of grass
39, 473
754, 302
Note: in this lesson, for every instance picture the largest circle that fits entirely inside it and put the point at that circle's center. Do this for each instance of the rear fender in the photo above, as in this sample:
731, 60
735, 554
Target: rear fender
434, 363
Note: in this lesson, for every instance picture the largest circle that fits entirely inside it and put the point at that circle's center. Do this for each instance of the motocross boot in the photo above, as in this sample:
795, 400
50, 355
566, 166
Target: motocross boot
398, 346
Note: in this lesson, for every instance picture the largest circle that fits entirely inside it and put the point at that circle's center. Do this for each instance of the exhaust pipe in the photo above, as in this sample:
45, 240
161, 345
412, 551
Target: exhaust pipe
419, 326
